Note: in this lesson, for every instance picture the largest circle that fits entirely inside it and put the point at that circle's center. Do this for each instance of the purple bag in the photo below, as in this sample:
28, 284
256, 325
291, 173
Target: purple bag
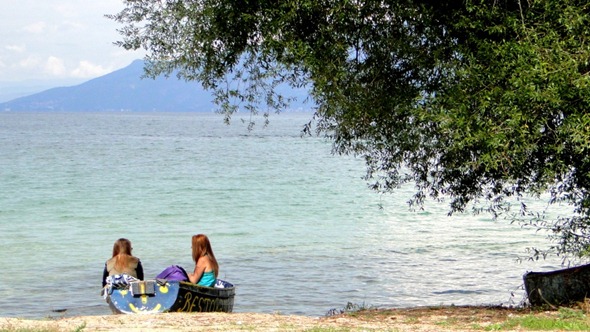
173, 272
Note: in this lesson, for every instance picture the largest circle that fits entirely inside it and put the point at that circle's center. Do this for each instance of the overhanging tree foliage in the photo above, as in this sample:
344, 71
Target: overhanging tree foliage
473, 101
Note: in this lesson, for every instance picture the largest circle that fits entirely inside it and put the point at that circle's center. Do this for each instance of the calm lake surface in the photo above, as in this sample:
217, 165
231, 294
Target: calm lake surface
293, 227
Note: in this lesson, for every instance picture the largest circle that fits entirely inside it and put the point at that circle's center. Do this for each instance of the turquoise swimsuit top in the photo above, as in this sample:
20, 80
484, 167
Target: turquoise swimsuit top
207, 279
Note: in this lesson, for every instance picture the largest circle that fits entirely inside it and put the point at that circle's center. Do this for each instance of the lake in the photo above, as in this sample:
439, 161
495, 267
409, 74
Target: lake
294, 227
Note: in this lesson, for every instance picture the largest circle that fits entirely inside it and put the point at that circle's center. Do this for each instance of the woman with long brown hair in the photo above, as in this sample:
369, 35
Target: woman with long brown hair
122, 262
206, 267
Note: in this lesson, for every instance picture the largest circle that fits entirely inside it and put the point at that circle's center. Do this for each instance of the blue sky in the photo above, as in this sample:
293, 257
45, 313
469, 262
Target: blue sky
58, 40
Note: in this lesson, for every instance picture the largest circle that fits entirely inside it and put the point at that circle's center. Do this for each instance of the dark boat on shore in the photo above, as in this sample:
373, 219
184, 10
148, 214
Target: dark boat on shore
154, 296
559, 287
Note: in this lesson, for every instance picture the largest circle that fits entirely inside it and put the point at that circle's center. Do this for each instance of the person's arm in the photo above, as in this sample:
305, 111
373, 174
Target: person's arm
139, 270
198, 272
105, 274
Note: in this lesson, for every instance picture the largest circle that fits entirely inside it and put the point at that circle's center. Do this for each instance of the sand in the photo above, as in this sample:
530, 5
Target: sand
411, 319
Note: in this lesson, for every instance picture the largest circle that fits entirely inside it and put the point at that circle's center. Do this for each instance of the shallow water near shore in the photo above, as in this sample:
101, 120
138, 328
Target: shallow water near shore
293, 227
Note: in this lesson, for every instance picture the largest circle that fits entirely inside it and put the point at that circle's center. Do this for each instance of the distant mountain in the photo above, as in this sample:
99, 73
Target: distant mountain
125, 90
121, 90
10, 90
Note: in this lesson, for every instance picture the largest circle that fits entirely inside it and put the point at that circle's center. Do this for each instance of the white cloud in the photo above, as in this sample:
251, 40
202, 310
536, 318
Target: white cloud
86, 69
37, 27
47, 40
55, 66
72, 25
16, 48
30, 62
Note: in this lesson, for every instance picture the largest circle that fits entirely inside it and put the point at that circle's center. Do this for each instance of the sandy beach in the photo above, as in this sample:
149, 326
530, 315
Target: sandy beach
411, 319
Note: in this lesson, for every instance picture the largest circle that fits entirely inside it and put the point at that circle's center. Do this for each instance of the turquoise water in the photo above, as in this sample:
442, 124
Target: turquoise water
293, 227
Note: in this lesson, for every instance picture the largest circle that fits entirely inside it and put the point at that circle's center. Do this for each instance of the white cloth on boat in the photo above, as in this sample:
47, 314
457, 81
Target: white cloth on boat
220, 284
117, 281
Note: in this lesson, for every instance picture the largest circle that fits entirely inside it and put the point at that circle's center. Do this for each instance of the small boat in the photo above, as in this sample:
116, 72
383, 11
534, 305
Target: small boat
559, 287
160, 295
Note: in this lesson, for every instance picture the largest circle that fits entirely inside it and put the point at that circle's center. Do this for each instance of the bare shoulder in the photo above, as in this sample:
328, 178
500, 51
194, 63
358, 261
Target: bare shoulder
205, 262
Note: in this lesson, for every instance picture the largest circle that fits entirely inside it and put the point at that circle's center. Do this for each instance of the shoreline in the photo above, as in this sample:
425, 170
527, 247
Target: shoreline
442, 318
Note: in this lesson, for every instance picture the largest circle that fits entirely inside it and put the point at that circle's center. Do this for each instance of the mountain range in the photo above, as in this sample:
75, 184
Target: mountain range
121, 90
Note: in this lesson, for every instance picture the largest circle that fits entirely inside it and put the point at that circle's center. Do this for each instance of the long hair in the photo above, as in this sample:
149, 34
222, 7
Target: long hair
122, 250
202, 247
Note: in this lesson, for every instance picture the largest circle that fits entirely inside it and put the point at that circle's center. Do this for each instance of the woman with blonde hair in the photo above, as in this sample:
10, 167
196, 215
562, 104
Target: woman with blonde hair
206, 267
122, 262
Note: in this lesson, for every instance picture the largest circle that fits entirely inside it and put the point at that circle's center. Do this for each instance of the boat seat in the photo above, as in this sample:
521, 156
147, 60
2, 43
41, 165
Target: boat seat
146, 287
